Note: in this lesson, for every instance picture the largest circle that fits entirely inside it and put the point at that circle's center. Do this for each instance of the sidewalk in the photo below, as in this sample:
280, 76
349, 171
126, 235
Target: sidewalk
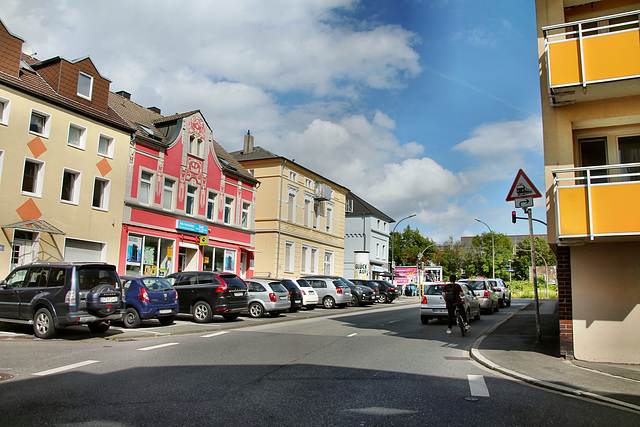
511, 348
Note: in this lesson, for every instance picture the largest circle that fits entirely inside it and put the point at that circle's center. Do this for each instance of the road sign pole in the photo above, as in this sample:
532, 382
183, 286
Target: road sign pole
535, 278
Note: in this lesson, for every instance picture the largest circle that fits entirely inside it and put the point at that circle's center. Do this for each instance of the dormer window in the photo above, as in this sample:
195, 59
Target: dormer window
85, 85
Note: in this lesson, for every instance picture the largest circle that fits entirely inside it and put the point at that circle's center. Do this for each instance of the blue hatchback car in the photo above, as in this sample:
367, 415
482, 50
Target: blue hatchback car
148, 297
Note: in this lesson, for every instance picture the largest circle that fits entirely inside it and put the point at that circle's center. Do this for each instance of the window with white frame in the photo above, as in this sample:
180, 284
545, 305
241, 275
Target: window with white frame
211, 206
291, 204
307, 212
105, 146
379, 228
377, 250
85, 85
100, 198
309, 183
70, 192
39, 123
1, 162
144, 191
167, 194
293, 176
195, 146
5, 107
228, 210
329, 219
304, 261
316, 214
190, 205
328, 263
246, 209
32, 177
384, 252
313, 262
289, 251
77, 136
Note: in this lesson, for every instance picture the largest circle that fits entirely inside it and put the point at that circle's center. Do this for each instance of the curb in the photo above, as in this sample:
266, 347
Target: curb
478, 357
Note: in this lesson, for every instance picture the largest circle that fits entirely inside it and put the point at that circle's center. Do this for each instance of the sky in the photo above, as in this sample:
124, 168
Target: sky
425, 107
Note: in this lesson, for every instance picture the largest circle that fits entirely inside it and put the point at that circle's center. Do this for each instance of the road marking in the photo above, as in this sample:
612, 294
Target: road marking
213, 335
154, 347
393, 321
65, 368
352, 335
478, 386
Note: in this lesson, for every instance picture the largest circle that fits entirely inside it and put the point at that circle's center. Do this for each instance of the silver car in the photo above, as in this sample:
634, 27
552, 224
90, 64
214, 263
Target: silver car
267, 296
503, 291
331, 292
433, 305
485, 293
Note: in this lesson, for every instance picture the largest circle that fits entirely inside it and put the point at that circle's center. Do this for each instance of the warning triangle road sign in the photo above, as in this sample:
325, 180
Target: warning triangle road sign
522, 187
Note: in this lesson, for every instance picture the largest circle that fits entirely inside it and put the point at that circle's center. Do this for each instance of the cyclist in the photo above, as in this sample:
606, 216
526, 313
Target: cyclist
452, 294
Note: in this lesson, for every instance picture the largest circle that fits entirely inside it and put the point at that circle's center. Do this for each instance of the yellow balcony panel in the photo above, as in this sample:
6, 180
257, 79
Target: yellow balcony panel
564, 63
572, 204
612, 56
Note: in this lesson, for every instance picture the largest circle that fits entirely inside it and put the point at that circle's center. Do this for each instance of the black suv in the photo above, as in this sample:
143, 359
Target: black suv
53, 295
205, 293
388, 292
295, 294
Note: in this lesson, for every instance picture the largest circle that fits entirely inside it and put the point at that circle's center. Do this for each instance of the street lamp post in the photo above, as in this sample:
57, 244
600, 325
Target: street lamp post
420, 259
391, 266
493, 248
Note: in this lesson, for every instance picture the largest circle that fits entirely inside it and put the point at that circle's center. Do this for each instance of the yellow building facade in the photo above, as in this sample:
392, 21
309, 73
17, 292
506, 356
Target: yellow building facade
589, 56
299, 219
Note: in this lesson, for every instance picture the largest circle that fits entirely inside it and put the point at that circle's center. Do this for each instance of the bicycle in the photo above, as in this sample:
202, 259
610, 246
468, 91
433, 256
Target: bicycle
460, 321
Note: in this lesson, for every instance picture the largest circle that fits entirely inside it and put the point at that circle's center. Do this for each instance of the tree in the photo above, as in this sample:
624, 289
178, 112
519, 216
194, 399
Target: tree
408, 245
522, 260
451, 258
480, 259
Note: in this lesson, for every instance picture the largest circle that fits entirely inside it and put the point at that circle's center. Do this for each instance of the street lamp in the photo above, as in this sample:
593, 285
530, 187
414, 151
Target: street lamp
420, 276
392, 271
493, 248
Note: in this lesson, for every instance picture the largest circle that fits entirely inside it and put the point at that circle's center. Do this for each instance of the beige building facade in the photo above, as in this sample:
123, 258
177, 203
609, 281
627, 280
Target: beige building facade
590, 65
63, 160
299, 219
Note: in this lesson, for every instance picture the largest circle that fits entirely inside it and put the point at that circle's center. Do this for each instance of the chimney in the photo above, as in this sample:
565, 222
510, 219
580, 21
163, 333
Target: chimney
154, 109
248, 143
124, 94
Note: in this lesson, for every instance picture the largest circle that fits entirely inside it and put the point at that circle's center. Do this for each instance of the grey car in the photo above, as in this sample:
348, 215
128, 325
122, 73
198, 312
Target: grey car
267, 296
503, 291
485, 292
332, 292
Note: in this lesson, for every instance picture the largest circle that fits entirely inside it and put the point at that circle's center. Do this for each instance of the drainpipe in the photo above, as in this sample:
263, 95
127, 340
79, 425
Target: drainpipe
280, 219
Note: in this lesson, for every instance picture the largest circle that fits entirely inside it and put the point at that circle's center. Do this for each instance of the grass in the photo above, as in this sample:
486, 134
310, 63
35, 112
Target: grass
524, 289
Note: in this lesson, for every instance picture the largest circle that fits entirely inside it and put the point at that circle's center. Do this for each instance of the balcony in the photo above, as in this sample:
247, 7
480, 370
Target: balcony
597, 202
593, 59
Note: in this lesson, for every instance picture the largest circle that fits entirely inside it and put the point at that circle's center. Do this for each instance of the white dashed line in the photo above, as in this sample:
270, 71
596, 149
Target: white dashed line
215, 334
478, 386
65, 368
352, 335
154, 347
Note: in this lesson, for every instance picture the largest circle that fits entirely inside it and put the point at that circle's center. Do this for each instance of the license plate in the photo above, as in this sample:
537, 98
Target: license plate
165, 311
283, 297
108, 299
297, 300
238, 294
439, 310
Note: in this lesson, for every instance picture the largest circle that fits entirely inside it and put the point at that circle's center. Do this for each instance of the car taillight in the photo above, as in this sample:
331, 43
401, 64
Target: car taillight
424, 300
144, 296
303, 292
486, 293
272, 297
174, 290
339, 290
391, 288
223, 287
70, 297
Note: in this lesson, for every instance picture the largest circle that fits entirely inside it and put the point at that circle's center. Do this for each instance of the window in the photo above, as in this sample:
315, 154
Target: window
314, 260
195, 146
211, 206
384, 252
105, 146
329, 220
85, 85
328, 263
100, 194
291, 205
303, 259
228, 210
144, 193
70, 186
77, 136
377, 250
289, 250
379, 228
308, 183
39, 123
190, 206
167, 194
245, 215
5, 105
307, 212
32, 177
293, 176
316, 214
629, 152
1, 162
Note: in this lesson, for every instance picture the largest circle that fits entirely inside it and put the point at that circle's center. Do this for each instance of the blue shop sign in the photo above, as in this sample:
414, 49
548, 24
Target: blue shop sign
192, 226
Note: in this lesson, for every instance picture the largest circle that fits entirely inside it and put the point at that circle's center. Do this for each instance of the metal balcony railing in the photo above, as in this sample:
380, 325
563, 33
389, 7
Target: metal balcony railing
597, 201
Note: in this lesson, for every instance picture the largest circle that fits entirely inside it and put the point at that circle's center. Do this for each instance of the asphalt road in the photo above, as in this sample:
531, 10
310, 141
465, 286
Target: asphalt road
358, 367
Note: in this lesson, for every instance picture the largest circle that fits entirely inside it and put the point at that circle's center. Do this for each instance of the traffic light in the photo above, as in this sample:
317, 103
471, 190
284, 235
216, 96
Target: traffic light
513, 217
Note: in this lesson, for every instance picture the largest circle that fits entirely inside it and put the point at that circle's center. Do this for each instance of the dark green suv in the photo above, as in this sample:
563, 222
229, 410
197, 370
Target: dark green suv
53, 295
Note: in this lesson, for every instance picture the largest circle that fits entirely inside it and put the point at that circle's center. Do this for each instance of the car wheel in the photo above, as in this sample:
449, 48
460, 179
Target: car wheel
501, 303
497, 308
382, 298
202, 312
43, 326
166, 320
256, 310
477, 316
354, 301
99, 327
509, 302
274, 313
328, 302
311, 307
293, 310
131, 318
230, 316
468, 316
424, 319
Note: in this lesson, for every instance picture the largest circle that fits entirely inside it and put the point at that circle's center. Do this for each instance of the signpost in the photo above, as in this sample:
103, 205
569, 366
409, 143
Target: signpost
522, 194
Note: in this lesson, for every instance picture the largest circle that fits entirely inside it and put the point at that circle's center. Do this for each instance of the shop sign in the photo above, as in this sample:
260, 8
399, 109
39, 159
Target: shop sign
204, 240
192, 226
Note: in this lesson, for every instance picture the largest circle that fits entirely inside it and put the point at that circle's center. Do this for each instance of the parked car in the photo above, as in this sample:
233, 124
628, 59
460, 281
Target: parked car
53, 295
433, 305
503, 291
361, 294
370, 283
267, 296
309, 295
331, 292
388, 292
148, 297
485, 293
205, 293
295, 294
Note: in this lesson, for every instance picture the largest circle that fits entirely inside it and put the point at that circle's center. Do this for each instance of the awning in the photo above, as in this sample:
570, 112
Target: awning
249, 249
35, 225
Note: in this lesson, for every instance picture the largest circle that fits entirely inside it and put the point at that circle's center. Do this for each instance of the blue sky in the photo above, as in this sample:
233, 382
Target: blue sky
426, 107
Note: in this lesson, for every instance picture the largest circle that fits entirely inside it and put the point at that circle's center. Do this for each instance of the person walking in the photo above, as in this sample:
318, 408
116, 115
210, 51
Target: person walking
452, 294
